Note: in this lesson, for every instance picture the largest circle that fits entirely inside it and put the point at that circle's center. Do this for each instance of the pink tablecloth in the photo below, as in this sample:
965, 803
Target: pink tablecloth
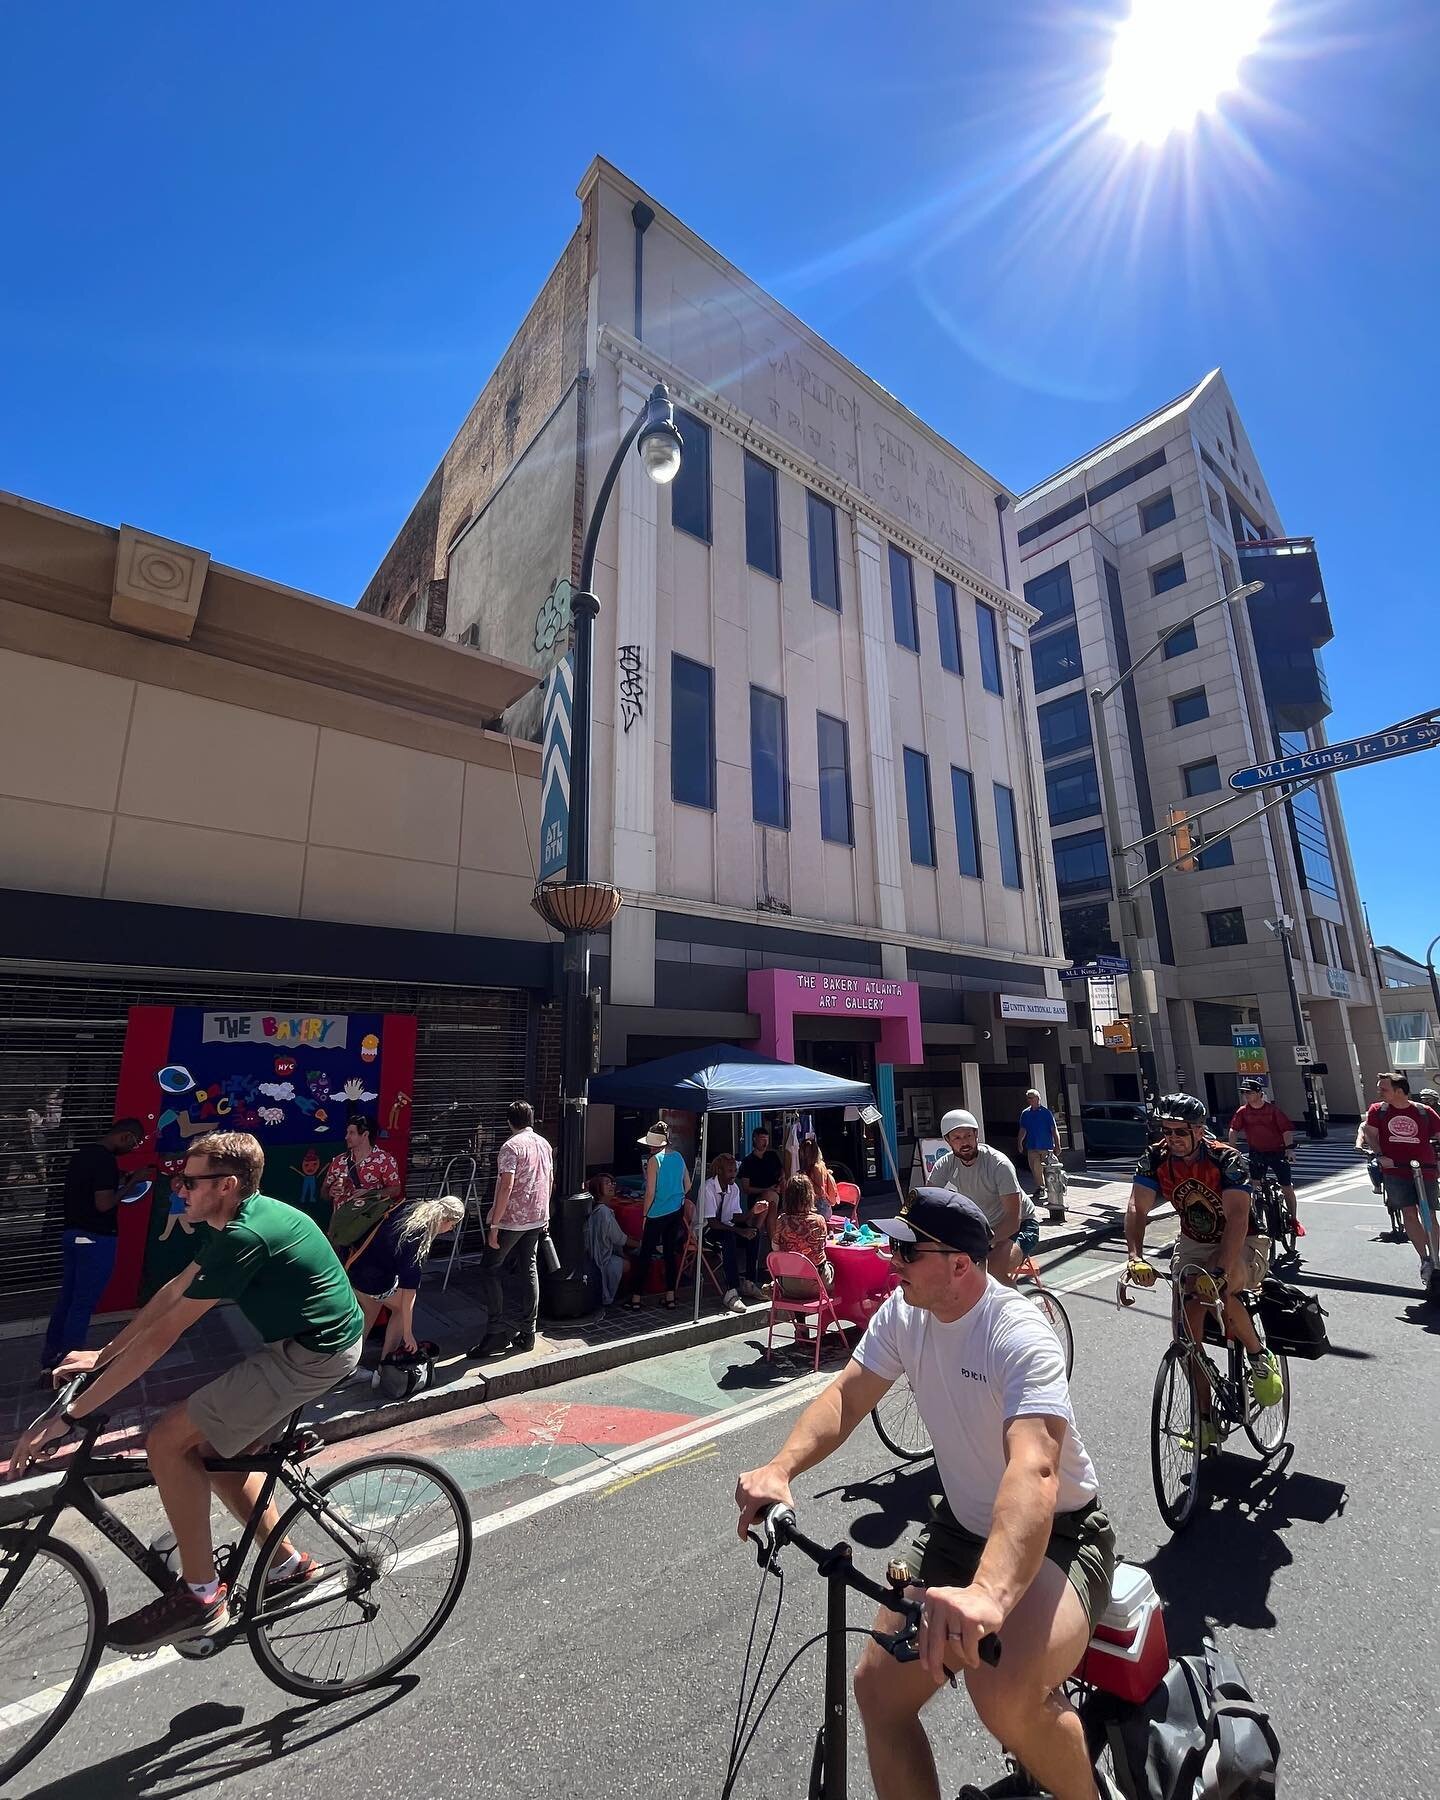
862, 1280
630, 1215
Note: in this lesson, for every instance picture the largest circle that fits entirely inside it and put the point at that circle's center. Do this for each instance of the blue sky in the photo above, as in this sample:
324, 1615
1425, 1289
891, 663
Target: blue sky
259, 260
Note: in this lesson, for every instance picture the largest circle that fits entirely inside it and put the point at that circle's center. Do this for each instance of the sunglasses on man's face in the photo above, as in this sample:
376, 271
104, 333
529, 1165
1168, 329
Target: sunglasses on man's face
1177, 1131
191, 1182
908, 1253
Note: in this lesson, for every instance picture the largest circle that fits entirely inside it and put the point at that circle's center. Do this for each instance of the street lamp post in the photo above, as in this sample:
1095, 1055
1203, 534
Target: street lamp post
578, 907
1282, 927
1145, 1064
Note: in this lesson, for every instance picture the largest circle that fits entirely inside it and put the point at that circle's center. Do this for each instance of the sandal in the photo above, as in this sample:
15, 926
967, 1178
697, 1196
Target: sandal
634, 1303
669, 1303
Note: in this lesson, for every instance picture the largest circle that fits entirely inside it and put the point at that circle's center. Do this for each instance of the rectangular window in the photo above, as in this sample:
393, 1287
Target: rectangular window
918, 809
1006, 825
769, 776
1218, 856
1202, 777
1227, 572
1082, 864
1072, 791
1189, 709
1085, 932
1217, 505
1056, 658
1157, 512
824, 558
989, 649
902, 600
690, 490
948, 614
1181, 643
1053, 594
1226, 927
692, 733
837, 815
762, 517
1064, 725
1070, 510
1137, 471
967, 825
1168, 575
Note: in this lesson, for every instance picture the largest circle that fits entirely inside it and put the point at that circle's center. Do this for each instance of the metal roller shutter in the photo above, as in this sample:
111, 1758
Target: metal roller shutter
62, 1030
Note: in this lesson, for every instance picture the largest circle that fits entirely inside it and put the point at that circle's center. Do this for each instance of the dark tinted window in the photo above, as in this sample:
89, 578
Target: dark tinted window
1072, 791
1187, 709
1064, 725
1005, 824
692, 733
967, 826
1082, 865
1218, 856
1226, 926
690, 490
902, 600
1180, 643
824, 562
1202, 777
836, 814
1085, 931
1147, 465
1070, 510
1157, 512
989, 648
769, 783
1056, 658
947, 613
1054, 596
1168, 575
762, 517
918, 810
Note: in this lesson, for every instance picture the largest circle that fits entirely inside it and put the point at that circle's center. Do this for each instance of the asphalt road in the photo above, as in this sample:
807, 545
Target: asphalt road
598, 1646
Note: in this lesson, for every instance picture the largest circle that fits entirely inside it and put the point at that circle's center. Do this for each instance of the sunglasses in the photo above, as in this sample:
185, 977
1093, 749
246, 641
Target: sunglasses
191, 1182
1177, 1131
909, 1253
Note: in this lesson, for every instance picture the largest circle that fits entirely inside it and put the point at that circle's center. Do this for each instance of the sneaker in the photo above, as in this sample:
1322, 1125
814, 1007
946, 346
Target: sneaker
496, 1346
1266, 1382
304, 1572
732, 1301
1299, 1229
1427, 1271
175, 1618
1209, 1438
749, 1291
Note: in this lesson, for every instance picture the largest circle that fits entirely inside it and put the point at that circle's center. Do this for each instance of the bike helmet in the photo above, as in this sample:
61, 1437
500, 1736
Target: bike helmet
958, 1120
1252, 1087
1429, 1097
1181, 1106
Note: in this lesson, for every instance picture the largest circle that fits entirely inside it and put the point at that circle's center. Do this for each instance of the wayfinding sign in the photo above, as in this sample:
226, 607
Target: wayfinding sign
1404, 740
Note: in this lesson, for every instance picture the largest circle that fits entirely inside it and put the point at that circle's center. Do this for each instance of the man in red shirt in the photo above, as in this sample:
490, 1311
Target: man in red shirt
1404, 1133
1268, 1136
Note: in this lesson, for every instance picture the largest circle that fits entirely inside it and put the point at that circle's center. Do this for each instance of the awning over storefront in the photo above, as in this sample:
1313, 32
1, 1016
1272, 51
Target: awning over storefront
725, 1078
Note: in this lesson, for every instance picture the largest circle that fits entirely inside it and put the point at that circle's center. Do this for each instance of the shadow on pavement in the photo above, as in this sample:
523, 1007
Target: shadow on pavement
1219, 1569
789, 1361
190, 1756
900, 1500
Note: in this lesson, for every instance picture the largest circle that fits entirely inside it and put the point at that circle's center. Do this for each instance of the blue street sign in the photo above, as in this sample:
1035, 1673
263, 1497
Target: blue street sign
1404, 740
1101, 965
555, 769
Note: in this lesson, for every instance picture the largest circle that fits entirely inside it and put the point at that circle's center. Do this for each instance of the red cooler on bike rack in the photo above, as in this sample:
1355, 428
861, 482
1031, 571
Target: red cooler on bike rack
1128, 1652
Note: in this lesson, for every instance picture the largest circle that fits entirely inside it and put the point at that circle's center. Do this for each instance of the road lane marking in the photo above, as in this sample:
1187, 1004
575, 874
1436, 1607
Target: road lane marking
699, 1454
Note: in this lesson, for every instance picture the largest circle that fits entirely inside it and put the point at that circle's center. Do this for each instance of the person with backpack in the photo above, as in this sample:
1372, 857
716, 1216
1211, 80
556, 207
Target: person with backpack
1401, 1133
1269, 1138
385, 1267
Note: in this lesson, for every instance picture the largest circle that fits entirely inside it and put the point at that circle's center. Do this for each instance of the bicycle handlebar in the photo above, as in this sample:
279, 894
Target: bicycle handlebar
94, 1423
777, 1526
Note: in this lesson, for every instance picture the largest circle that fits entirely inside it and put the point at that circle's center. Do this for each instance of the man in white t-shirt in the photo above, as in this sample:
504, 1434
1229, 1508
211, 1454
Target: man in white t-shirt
1018, 1543
987, 1176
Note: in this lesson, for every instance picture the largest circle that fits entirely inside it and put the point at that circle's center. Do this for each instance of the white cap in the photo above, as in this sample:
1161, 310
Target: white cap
959, 1120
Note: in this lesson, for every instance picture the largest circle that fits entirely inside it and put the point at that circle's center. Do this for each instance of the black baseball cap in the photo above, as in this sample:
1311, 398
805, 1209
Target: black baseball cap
941, 1216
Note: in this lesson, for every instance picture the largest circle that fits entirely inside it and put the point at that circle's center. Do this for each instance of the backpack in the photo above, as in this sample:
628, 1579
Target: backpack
402, 1375
1294, 1321
1200, 1736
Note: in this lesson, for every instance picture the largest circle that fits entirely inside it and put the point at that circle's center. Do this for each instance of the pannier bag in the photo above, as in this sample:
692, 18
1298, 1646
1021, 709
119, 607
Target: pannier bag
1294, 1321
1201, 1735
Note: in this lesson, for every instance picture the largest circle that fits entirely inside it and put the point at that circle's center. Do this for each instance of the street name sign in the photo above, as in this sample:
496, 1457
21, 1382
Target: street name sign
1404, 740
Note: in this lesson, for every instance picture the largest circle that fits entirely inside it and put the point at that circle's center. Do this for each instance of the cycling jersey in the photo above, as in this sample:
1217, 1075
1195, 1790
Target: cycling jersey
1194, 1187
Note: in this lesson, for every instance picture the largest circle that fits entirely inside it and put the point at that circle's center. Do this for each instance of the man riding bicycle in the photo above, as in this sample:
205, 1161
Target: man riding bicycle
1018, 1543
1269, 1137
1205, 1181
275, 1263
988, 1177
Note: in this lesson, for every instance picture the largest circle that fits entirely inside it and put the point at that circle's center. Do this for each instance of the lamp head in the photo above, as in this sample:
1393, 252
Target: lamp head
660, 443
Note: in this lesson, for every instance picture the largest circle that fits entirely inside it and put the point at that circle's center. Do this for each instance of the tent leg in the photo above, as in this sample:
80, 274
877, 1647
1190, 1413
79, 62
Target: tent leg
700, 1211
890, 1159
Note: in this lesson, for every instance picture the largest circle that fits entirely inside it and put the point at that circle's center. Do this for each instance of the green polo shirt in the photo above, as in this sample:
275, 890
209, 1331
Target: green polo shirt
277, 1265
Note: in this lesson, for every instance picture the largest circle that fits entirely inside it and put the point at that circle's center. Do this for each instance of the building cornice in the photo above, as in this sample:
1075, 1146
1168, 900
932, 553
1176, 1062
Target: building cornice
631, 356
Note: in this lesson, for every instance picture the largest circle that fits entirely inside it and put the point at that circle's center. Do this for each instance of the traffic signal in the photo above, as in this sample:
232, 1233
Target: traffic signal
1184, 839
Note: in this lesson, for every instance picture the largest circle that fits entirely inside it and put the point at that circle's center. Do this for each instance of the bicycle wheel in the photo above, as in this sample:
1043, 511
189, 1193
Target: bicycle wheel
1281, 1221
1047, 1303
897, 1419
1267, 1426
1175, 1439
373, 1609
52, 1628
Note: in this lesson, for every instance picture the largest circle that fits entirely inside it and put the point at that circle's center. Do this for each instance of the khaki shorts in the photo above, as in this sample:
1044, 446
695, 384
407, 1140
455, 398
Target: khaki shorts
248, 1403
1082, 1547
1255, 1256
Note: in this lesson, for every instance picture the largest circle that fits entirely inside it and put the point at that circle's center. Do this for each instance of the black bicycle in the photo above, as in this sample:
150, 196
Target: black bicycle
1276, 1214
391, 1536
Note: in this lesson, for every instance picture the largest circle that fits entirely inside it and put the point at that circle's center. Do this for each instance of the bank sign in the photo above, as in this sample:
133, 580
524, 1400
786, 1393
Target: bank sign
1033, 1009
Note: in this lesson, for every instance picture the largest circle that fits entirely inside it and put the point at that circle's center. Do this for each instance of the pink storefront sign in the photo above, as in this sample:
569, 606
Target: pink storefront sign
779, 996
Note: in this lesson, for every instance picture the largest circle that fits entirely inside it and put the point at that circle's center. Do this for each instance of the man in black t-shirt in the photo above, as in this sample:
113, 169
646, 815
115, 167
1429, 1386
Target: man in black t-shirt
92, 1199
762, 1171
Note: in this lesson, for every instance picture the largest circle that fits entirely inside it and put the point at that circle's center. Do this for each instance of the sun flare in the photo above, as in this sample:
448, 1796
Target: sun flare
1173, 60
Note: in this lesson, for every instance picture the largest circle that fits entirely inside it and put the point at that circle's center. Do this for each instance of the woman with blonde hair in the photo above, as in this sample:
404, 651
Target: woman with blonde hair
385, 1267
812, 1167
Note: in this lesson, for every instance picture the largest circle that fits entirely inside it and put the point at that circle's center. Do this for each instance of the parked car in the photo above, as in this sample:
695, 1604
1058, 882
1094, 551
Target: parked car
1113, 1127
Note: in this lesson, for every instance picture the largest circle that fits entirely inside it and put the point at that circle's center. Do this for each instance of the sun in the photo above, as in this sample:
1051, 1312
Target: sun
1174, 59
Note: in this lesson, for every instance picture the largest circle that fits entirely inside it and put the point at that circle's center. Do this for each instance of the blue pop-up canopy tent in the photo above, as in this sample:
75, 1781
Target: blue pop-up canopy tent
727, 1078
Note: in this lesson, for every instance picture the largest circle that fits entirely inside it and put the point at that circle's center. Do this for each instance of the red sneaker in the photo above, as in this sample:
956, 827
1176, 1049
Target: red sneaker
175, 1618
304, 1572
1299, 1229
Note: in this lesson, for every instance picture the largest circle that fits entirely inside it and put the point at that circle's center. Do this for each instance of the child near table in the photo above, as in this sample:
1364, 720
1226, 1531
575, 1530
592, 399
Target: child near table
800, 1227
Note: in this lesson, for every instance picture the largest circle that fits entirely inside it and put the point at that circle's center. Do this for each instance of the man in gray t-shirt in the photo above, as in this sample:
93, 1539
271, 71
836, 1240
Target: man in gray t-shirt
988, 1178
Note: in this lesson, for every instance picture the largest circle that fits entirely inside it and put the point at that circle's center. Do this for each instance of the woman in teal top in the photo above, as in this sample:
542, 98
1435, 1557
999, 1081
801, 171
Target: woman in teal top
666, 1182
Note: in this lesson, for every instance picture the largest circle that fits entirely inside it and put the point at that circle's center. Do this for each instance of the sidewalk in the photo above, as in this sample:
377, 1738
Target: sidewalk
455, 1318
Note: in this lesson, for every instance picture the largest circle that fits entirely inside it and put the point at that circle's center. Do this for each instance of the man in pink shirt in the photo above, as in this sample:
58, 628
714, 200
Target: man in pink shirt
524, 1175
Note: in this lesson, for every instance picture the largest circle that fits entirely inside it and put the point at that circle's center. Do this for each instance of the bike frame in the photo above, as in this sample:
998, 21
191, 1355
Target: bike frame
1227, 1388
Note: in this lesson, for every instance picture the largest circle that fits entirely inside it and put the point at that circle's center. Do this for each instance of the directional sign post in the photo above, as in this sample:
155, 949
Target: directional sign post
1403, 740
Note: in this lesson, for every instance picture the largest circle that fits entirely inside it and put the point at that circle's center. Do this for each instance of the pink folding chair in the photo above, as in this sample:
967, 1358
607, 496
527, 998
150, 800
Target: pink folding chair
790, 1265
847, 1198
